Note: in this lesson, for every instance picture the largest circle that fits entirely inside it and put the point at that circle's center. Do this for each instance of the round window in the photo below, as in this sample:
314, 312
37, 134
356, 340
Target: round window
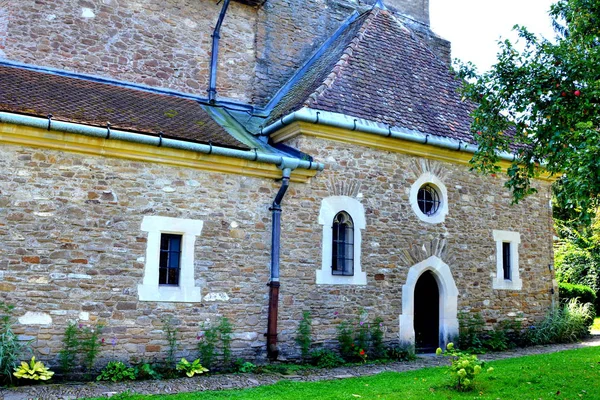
428, 200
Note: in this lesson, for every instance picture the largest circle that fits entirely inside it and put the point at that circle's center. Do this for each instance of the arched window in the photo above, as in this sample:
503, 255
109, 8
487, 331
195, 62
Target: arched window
343, 245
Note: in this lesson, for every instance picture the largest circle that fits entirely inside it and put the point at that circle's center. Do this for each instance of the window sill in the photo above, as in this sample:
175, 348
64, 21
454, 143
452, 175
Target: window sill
503, 284
327, 278
169, 293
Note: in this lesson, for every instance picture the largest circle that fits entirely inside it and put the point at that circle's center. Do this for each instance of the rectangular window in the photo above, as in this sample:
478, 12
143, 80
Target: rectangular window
170, 258
506, 260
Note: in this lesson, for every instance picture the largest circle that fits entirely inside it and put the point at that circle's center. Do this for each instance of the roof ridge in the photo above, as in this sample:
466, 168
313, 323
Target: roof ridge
340, 65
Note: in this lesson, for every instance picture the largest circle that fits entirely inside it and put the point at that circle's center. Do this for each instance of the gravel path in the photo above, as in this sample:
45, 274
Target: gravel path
240, 381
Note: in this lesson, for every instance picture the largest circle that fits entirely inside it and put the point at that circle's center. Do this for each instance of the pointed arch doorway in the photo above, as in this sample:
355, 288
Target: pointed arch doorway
417, 309
427, 314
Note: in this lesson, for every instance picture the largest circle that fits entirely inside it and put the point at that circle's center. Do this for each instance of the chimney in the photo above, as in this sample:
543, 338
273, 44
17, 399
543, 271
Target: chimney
414, 9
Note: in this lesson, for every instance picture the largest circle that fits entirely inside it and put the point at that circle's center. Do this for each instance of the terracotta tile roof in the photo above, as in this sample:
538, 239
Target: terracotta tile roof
94, 103
378, 70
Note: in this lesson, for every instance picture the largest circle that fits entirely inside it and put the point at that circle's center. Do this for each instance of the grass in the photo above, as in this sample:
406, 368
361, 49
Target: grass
573, 374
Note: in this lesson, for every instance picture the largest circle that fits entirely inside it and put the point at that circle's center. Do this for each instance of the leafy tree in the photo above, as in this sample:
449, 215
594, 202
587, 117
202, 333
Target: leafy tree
541, 102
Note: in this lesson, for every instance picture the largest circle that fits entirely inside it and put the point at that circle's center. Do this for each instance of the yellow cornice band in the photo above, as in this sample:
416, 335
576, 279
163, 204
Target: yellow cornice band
382, 143
41, 138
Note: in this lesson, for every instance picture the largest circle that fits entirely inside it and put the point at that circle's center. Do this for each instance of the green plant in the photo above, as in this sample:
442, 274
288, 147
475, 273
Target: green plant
463, 368
11, 349
379, 350
116, 371
146, 371
325, 358
244, 366
303, 336
35, 370
207, 342
346, 340
67, 356
190, 369
567, 324
170, 331
89, 343
470, 337
399, 353
225, 335
568, 291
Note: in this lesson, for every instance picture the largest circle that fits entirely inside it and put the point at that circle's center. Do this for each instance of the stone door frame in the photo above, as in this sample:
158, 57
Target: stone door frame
448, 324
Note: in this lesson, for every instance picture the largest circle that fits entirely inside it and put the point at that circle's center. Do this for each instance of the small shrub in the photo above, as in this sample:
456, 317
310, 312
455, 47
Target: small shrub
116, 371
89, 342
67, 356
207, 344
470, 337
190, 369
400, 354
463, 368
11, 348
244, 367
35, 370
346, 340
146, 371
225, 330
379, 350
563, 325
303, 336
568, 291
170, 331
325, 358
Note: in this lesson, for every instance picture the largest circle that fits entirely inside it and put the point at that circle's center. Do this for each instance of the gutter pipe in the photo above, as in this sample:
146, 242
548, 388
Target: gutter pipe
108, 133
212, 84
272, 349
361, 125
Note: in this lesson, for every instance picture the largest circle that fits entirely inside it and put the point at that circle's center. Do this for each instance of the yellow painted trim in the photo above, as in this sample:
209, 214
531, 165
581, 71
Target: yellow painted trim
40, 138
394, 145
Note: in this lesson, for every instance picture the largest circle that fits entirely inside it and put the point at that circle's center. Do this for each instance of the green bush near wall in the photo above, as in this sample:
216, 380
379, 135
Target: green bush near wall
583, 293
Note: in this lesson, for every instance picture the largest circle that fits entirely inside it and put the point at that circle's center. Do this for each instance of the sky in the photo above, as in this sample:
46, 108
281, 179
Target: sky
474, 26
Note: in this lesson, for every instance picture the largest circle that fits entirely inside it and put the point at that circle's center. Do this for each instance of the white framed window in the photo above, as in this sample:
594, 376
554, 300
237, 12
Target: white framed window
342, 218
507, 260
429, 198
169, 268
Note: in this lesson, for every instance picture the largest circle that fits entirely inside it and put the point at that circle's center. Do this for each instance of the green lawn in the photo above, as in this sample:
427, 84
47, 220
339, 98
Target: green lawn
573, 374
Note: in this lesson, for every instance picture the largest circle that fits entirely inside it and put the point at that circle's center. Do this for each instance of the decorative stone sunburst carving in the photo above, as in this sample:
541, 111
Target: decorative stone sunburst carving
420, 252
343, 187
421, 166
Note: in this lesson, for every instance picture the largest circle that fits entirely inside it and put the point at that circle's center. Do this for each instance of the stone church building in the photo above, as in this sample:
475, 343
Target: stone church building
252, 159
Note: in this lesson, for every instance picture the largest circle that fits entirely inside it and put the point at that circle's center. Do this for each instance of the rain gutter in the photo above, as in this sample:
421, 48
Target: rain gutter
108, 133
361, 125
214, 56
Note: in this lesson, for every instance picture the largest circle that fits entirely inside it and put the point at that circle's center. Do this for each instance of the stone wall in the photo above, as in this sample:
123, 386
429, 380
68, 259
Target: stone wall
72, 247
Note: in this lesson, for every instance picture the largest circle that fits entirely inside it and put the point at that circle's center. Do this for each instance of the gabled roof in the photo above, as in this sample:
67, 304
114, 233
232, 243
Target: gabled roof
378, 70
86, 101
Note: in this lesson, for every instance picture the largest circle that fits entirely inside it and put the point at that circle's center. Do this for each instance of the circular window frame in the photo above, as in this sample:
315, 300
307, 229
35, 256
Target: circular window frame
430, 180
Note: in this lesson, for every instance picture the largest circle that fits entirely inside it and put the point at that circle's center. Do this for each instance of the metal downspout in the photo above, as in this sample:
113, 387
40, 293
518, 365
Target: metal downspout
272, 349
212, 84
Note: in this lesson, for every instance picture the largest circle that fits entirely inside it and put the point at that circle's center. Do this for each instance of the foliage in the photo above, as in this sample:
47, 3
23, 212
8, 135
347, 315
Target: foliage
542, 103
190, 369
207, 344
397, 353
89, 344
325, 358
146, 371
170, 331
244, 367
346, 340
473, 338
463, 368
470, 337
35, 370
563, 325
379, 350
303, 335
225, 330
68, 354
11, 348
116, 371
573, 373
584, 294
